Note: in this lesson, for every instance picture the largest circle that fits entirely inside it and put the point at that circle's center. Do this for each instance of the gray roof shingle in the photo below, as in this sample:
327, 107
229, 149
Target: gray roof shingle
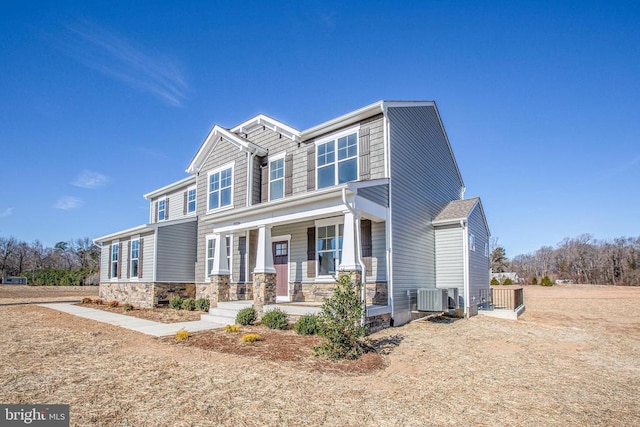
457, 209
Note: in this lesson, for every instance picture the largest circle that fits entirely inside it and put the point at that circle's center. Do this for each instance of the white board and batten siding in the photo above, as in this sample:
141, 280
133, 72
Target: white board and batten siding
176, 252
424, 178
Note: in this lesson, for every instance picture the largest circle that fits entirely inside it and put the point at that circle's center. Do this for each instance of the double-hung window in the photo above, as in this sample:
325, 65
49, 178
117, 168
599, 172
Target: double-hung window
135, 257
337, 160
472, 242
162, 209
276, 179
329, 248
191, 200
115, 258
211, 246
220, 188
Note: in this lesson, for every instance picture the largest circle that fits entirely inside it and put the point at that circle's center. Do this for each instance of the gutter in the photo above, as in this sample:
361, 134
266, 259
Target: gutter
363, 291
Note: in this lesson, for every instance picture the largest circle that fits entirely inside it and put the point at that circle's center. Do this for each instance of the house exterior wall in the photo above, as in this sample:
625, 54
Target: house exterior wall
418, 148
176, 204
378, 194
478, 261
176, 252
449, 257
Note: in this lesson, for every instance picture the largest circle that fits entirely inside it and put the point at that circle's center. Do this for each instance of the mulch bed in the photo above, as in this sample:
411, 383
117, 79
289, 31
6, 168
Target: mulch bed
161, 314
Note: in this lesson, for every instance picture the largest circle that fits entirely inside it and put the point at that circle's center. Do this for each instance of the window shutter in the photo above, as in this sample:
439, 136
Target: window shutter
128, 266
119, 260
185, 206
166, 208
288, 175
110, 256
311, 252
364, 156
242, 250
264, 190
155, 210
367, 244
311, 167
140, 247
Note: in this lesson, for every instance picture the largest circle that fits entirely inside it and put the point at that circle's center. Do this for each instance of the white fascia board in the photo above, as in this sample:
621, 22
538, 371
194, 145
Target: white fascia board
124, 233
342, 121
269, 123
448, 221
173, 222
185, 182
217, 133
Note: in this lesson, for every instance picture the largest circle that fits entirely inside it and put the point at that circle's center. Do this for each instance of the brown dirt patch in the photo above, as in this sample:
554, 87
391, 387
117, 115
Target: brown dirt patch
13, 294
571, 360
161, 314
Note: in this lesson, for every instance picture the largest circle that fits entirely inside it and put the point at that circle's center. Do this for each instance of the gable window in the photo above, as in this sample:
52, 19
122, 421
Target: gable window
162, 209
329, 248
472, 242
115, 258
486, 250
337, 160
276, 179
191, 200
135, 257
211, 246
220, 188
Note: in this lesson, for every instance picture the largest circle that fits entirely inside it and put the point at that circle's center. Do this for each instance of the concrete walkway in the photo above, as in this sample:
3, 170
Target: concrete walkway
148, 327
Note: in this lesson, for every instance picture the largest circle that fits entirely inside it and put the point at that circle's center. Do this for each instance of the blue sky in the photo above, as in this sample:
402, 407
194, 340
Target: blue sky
103, 101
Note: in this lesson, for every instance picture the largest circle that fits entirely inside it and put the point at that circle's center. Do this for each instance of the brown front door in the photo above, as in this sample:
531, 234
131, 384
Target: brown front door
281, 264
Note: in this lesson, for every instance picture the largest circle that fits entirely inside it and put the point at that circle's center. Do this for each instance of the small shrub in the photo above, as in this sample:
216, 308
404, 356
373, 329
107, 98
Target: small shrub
307, 325
546, 281
188, 304
495, 282
175, 302
98, 301
251, 337
344, 338
182, 335
534, 281
246, 316
113, 304
275, 319
507, 282
127, 307
232, 329
203, 304
86, 300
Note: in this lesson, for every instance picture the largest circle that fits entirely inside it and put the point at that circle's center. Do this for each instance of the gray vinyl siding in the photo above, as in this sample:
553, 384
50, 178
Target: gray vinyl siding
424, 179
297, 248
148, 259
378, 252
478, 262
176, 205
105, 262
449, 257
378, 194
376, 151
175, 252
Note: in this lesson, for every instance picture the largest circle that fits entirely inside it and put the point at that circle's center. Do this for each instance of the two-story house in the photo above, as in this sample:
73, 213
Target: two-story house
272, 214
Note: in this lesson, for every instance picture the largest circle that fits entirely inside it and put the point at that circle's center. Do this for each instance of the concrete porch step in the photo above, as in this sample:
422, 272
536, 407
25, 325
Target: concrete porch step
226, 312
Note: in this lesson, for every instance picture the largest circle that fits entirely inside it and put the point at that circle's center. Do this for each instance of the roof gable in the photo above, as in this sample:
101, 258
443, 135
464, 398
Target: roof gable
218, 133
460, 210
276, 126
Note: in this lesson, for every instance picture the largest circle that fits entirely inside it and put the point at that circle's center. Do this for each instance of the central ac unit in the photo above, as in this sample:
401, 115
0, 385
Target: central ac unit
432, 300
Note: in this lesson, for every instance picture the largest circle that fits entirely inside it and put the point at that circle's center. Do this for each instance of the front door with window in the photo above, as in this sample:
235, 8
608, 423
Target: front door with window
281, 264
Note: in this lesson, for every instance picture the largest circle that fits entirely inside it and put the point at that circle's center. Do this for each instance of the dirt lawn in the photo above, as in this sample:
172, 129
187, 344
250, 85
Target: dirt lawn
572, 359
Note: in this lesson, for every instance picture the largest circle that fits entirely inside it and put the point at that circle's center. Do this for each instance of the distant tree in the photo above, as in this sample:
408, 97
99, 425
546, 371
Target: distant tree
499, 261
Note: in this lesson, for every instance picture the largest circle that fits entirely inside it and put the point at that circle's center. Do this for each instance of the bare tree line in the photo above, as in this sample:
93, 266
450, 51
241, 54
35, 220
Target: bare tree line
584, 259
18, 257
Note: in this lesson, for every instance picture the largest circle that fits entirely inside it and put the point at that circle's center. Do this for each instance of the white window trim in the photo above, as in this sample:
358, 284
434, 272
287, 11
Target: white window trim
114, 278
218, 170
334, 137
162, 199
134, 278
336, 222
284, 172
207, 274
195, 209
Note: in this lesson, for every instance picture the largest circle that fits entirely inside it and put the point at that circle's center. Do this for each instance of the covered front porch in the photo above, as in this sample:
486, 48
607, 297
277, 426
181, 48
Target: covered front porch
295, 253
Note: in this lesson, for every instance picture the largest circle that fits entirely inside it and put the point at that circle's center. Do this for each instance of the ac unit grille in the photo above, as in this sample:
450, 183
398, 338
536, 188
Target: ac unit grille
432, 300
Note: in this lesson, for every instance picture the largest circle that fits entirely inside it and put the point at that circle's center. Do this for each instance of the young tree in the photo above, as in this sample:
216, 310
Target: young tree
499, 261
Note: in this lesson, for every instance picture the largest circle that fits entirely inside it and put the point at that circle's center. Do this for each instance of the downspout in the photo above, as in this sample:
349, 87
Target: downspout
465, 249
363, 291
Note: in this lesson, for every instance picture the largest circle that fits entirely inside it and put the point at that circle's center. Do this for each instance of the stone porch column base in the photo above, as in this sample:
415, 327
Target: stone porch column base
354, 275
264, 290
220, 289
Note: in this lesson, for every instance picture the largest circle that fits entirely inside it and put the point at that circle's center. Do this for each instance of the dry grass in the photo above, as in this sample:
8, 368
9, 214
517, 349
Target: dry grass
571, 360
12, 294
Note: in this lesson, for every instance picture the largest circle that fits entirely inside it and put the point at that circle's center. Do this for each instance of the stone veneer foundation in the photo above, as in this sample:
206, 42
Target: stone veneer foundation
145, 295
264, 292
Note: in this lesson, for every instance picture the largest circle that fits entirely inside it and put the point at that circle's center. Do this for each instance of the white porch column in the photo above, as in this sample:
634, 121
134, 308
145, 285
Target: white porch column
264, 257
349, 254
220, 255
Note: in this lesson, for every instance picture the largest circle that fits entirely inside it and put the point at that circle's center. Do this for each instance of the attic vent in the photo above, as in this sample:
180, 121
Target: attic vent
432, 300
